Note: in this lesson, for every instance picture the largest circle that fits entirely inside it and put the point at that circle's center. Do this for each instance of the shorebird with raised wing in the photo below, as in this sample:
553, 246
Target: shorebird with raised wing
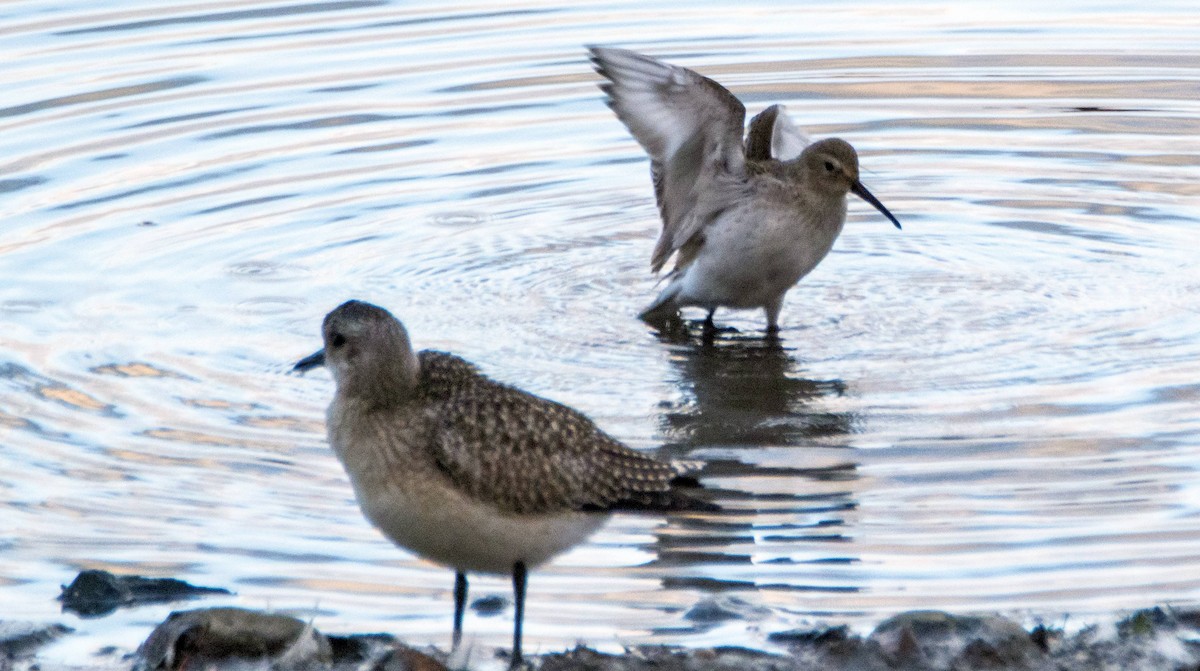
468, 472
745, 220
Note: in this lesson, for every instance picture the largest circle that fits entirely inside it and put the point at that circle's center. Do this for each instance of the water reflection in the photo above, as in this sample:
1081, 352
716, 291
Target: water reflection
745, 390
1012, 373
745, 401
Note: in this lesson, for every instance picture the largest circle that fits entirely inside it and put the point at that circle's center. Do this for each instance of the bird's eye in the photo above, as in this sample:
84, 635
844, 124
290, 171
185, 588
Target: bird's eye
829, 166
337, 340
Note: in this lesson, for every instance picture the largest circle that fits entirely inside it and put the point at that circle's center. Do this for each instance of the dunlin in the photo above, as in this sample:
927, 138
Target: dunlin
468, 472
744, 220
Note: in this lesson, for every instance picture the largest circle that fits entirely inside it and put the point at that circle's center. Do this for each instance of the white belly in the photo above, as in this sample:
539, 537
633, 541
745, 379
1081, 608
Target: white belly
442, 525
747, 266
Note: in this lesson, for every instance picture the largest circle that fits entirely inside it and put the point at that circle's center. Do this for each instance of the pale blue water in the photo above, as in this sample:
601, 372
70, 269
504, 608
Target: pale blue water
996, 409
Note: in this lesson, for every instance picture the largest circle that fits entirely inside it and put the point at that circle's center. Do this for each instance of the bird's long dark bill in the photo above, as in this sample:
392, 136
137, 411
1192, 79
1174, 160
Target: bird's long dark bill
861, 191
311, 361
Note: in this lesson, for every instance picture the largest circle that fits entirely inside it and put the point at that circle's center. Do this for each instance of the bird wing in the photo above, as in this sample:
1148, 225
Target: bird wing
773, 135
526, 454
691, 127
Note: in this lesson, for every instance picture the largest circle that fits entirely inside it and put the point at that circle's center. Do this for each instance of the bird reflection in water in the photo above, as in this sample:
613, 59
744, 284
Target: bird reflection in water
746, 390
768, 440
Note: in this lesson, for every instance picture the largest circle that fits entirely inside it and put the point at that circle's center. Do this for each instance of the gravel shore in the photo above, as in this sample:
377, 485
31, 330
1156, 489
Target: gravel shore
1158, 639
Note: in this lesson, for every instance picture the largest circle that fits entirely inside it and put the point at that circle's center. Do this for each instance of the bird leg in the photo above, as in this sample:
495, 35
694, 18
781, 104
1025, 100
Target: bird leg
772, 309
518, 578
460, 605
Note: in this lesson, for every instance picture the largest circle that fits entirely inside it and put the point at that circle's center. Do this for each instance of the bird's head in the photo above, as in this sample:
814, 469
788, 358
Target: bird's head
367, 350
831, 166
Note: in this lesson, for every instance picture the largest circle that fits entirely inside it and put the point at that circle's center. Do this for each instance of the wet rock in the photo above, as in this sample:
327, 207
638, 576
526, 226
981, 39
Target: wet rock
489, 605
404, 658
236, 639
20, 640
812, 637
1189, 618
652, 658
1146, 623
1162, 651
1154, 638
357, 649
1046, 638
933, 639
725, 607
231, 637
95, 593
832, 648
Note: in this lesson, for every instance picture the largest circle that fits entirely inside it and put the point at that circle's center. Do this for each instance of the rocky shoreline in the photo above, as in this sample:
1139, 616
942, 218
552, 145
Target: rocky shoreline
1157, 639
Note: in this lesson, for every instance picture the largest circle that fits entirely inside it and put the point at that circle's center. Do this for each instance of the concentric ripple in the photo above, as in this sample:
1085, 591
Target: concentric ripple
993, 409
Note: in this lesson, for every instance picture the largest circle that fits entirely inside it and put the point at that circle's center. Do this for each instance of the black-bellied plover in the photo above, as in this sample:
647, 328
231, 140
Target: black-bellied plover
745, 221
468, 472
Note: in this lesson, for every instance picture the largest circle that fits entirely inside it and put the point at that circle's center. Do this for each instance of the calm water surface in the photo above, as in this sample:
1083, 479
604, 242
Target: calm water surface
996, 409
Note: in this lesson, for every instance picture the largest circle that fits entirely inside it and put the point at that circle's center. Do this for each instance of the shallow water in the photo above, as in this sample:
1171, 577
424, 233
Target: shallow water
995, 409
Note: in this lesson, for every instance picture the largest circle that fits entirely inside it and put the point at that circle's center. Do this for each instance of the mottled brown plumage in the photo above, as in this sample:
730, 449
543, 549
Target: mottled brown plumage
469, 472
526, 454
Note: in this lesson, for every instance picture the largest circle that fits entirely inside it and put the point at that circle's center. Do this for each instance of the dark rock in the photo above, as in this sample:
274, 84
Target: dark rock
489, 605
21, 639
1045, 638
724, 607
1189, 618
1146, 622
981, 655
937, 640
213, 637
817, 637
379, 652
832, 648
233, 639
95, 593
404, 658
359, 648
1163, 651
651, 658
581, 659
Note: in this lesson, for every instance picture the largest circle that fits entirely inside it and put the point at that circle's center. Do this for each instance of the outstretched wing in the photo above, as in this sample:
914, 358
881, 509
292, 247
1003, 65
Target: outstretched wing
690, 126
773, 135
526, 454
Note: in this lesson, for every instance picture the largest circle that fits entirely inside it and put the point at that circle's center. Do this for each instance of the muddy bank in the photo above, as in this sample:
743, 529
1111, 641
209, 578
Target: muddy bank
227, 638
1156, 639
1159, 639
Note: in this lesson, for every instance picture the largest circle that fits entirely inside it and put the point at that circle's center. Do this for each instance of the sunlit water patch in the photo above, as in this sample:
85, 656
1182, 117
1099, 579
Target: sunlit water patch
994, 409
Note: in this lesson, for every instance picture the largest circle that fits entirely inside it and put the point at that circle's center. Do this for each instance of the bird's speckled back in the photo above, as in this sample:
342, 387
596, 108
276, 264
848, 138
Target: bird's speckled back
527, 454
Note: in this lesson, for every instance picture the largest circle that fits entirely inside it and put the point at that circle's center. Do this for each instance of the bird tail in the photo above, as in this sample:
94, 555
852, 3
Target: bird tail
683, 497
665, 308
684, 487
